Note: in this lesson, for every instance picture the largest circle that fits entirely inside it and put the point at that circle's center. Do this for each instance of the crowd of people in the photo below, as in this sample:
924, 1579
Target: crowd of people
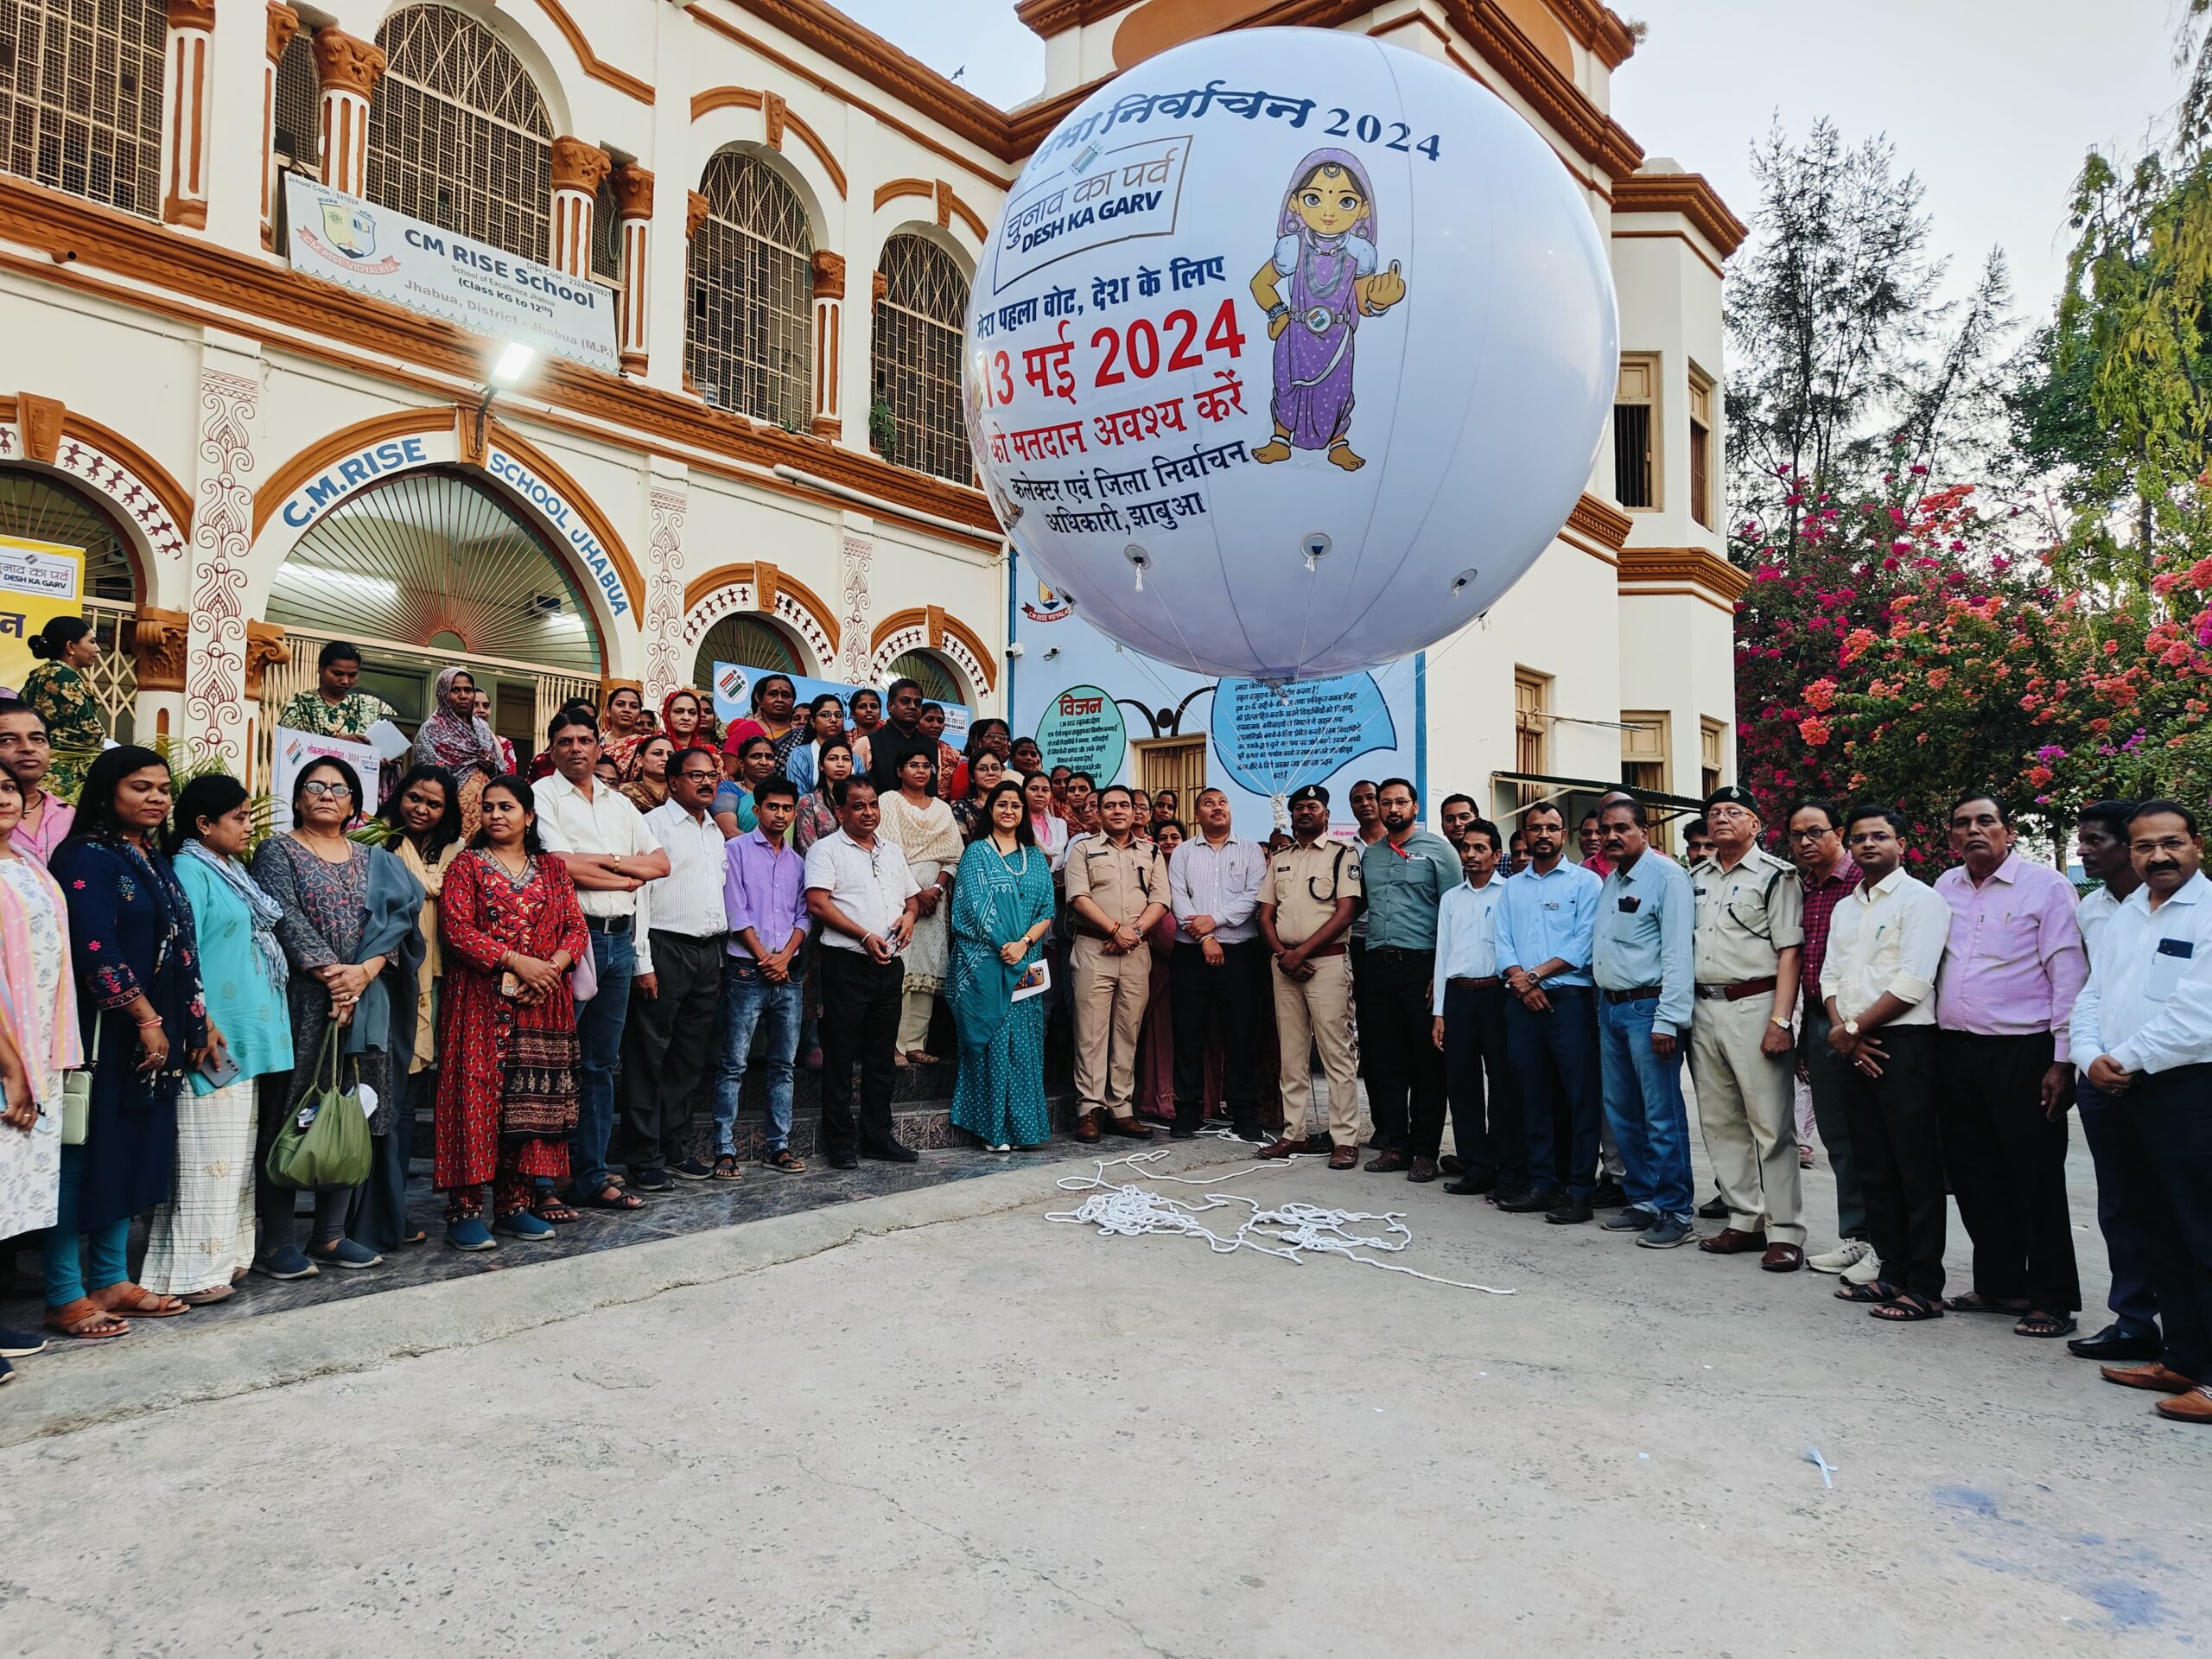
562, 964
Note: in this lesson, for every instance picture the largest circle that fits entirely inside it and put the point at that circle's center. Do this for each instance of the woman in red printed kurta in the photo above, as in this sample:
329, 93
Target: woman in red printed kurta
508, 922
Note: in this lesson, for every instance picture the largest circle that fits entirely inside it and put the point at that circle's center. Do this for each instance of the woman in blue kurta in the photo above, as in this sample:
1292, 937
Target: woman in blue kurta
1001, 910
137, 968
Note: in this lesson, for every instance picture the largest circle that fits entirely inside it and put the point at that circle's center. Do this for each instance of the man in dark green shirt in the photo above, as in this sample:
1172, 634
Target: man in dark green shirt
1406, 875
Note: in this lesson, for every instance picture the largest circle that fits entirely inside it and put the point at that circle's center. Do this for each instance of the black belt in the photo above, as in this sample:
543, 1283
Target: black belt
609, 924
1634, 993
1400, 950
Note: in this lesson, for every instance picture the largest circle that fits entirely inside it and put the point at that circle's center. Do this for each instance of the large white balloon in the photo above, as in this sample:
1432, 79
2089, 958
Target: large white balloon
1289, 354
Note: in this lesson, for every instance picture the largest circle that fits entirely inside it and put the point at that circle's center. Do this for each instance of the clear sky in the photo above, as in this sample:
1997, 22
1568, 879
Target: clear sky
1992, 102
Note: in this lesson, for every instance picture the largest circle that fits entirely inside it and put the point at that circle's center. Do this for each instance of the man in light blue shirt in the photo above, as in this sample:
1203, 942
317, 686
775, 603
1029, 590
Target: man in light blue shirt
1468, 1002
1547, 926
1644, 967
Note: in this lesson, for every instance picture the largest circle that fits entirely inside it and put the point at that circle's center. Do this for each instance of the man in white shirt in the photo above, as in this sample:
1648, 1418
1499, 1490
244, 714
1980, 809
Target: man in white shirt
2146, 1016
859, 888
1468, 1003
681, 935
610, 854
2100, 832
1886, 950
1213, 884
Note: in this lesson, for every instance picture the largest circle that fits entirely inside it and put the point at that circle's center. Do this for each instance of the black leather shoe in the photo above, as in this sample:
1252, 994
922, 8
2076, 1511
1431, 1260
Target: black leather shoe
892, 1152
844, 1161
1469, 1186
1608, 1195
1714, 1208
1569, 1213
2109, 1344
1450, 1164
1528, 1204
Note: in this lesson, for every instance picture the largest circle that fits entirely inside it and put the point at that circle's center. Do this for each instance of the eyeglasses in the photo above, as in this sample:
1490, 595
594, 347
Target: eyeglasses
318, 789
1809, 835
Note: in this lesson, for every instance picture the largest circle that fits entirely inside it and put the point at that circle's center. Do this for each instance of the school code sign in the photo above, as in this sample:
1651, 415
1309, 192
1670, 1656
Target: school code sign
377, 251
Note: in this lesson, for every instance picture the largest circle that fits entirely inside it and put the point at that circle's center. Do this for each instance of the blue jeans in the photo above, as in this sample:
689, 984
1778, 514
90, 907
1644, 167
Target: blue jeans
599, 1033
1644, 1103
102, 1261
747, 996
1554, 1056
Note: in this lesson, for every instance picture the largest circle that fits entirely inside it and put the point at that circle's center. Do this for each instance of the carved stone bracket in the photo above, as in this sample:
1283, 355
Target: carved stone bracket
158, 644
264, 650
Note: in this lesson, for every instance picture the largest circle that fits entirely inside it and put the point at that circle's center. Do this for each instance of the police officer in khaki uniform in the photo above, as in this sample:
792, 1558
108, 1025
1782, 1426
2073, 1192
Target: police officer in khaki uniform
1306, 901
1749, 935
1117, 888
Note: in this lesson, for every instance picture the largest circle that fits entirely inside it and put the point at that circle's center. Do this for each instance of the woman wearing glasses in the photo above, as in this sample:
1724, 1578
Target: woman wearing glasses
350, 913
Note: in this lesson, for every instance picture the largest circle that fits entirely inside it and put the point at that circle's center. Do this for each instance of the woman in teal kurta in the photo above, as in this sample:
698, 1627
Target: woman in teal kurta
1002, 910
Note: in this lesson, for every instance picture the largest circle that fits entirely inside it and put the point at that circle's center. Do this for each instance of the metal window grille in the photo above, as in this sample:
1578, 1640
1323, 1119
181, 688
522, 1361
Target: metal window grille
39, 509
80, 98
297, 128
458, 133
749, 346
1632, 454
746, 641
927, 670
916, 366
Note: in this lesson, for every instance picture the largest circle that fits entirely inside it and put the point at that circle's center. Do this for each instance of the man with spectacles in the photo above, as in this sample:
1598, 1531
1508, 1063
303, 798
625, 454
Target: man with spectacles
27, 756
1306, 901
1750, 937
2146, 1015
1829, 875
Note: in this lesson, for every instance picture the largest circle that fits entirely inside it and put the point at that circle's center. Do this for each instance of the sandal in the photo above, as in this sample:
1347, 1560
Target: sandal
208, 1297
1908, 1309
87, 1320
783, 1158
2040, 1324
1974, 1302
136, 1300
1874, 1290
559, 1214
726, 1167
611, 1197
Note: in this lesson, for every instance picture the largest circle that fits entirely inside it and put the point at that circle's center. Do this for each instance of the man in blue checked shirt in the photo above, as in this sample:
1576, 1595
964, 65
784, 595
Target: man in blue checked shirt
1645, 966
1547, 929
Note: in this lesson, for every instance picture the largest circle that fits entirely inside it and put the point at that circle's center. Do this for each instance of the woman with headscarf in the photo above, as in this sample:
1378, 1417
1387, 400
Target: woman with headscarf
1001, 913
136, 962
456, 740
351, 913
770, 716
1048, 827
645, 780
688, 720
200, 1243
38, 1040
58, 690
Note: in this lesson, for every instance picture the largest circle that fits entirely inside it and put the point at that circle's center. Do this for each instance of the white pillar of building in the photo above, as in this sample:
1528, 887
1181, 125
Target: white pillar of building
579, 169
188, 79
345, 72
828, 342
284, 24
634, 201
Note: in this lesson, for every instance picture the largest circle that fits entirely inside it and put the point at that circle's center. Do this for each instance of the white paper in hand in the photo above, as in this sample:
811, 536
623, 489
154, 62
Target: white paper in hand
389, 742
368, 1101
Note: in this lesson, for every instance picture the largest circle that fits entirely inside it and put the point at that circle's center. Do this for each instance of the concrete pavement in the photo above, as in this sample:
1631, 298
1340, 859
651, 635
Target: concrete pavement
936, 1424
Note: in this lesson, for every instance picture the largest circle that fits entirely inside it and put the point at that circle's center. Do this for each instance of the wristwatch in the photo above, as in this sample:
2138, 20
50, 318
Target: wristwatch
1780, 1019
1851, 1027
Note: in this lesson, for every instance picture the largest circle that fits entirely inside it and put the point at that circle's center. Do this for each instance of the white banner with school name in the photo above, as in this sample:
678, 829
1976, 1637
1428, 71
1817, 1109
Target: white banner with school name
379, 252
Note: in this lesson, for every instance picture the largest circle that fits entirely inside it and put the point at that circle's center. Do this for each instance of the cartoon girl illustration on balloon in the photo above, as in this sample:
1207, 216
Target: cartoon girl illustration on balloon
1325, 247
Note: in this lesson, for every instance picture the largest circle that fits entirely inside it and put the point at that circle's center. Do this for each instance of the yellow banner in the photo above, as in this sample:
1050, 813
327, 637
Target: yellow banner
39, 581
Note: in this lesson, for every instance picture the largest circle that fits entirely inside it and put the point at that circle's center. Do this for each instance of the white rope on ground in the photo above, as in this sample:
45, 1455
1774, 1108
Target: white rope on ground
1129, 1210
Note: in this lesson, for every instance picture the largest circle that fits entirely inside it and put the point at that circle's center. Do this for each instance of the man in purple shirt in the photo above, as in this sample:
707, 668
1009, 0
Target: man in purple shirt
763, 896
2012, 970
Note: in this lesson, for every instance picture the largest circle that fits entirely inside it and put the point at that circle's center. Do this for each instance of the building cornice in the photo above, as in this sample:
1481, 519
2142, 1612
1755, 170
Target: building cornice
184, 277
1707, 572
1601, 521
1592, 24
1690, 194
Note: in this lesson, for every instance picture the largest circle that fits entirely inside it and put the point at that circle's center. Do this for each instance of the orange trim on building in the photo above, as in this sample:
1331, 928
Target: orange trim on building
704, 587
935, 624
595, 66
175, 499
1690, 194
399, 423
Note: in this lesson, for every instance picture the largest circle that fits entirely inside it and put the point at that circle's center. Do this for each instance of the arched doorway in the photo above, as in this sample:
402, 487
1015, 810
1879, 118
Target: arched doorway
933, 674
754, 641
39, 507
427, 570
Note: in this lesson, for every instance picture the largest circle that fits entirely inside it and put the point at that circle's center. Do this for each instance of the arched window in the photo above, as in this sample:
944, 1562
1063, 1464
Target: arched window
749, 346
917, 359
41, 509
938, 683
81, 99
751, 641
296, 122
436, 559
458, 132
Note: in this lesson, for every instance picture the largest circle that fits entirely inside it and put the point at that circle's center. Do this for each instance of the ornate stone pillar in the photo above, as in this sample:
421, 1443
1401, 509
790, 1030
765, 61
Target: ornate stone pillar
667, 664
829, 331
346, 71
283, 23
579, 169
857, 551
189, 81
215, 714
634, 201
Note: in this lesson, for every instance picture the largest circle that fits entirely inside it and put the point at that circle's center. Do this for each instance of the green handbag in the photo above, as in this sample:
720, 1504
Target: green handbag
77, 1095
325, 1142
